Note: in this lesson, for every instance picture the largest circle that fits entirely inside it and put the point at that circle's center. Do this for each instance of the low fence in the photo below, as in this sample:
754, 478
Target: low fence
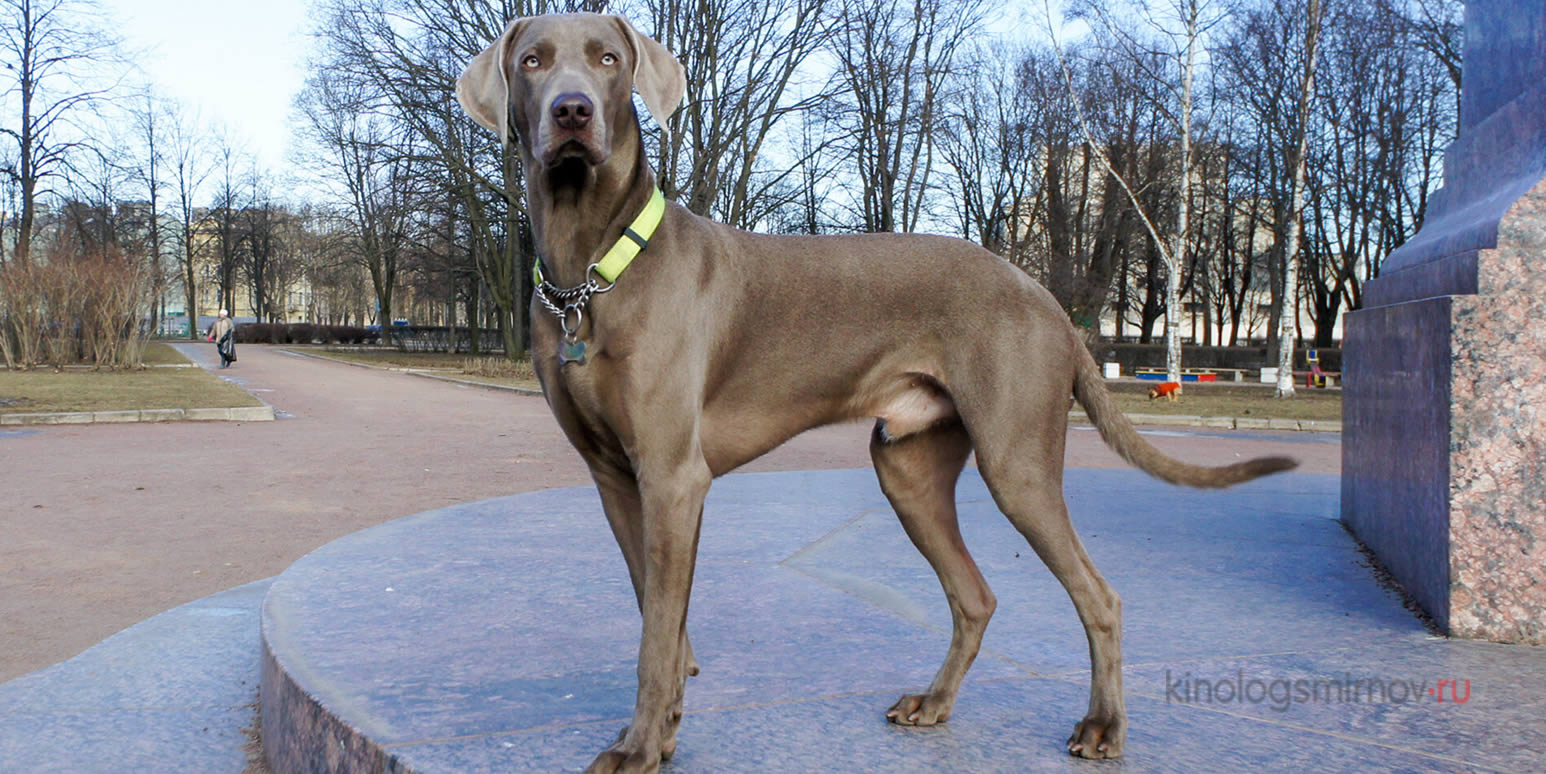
440, 338
1135, 356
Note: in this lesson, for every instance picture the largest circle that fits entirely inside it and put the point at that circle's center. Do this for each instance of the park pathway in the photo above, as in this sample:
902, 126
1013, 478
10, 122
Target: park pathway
102, 526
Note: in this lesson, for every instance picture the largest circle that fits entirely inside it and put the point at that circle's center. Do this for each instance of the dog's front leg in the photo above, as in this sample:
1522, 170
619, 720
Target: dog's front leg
671, 499
619, 492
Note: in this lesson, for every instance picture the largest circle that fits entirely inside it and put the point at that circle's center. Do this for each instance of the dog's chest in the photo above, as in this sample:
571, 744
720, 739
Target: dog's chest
581, 392
581, 388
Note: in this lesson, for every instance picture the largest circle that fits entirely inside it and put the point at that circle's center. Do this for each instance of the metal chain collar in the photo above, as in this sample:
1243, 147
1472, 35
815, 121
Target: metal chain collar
563, 301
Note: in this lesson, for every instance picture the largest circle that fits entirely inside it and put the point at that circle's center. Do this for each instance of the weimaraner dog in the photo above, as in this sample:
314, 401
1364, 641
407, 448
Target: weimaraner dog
717, 345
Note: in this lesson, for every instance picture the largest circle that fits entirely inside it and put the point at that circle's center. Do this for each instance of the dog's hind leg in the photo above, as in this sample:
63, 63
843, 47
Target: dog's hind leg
1023, 467
918, 474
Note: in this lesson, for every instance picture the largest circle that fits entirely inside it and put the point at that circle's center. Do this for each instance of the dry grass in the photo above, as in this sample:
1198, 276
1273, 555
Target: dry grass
391, 358
495, 370
46, 392
499, 368
157, 353
1230, 400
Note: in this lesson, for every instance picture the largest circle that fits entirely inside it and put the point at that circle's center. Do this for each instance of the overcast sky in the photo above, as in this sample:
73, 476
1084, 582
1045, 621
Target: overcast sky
238, 62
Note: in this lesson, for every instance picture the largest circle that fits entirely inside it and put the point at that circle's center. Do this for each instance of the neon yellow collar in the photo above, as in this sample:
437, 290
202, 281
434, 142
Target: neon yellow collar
636, 236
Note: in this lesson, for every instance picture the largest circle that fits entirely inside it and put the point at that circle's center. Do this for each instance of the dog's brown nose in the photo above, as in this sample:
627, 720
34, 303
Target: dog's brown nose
572, 110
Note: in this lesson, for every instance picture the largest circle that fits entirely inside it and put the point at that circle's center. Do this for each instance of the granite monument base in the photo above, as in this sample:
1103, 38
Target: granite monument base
1444, 453
1444, 369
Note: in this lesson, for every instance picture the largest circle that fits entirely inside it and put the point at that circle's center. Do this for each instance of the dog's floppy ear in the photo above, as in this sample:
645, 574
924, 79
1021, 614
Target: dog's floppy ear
484, 90
657, 75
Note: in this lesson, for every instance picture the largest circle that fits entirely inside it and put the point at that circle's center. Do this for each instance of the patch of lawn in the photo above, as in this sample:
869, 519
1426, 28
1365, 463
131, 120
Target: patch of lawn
1230, 400
486, 369
161, 353
46, 392
391, 358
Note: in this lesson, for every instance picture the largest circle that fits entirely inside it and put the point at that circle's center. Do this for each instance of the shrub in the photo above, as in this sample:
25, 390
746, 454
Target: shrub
254, 333
74, 306
301, 333
350, 334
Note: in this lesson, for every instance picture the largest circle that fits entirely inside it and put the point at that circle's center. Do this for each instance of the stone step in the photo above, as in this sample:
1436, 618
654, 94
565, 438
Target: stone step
174, 693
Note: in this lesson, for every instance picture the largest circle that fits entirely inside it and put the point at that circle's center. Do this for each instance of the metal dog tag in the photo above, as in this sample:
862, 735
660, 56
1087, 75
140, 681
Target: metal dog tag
571, 352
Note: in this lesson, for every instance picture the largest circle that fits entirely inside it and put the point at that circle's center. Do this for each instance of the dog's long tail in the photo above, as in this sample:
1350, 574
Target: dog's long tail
1090, 390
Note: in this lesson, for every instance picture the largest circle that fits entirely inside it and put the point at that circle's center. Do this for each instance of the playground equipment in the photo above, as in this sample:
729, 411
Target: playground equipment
1317, 377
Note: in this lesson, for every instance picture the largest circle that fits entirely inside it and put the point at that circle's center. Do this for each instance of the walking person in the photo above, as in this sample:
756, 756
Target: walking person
223, 333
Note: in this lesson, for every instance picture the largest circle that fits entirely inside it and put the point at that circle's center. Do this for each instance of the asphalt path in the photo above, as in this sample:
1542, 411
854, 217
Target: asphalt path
102, 526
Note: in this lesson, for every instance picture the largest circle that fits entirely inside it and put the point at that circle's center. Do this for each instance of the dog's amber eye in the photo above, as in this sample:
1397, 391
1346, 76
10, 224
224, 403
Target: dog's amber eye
609, 59
531, 62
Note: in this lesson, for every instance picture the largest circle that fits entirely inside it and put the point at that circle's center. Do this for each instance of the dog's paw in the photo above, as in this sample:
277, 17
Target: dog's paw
920, 709
619, 758
629, 757
1098, 737
618, 762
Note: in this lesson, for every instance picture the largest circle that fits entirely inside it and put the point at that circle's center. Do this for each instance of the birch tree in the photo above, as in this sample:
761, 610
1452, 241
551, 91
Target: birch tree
1166, 55
1300, 151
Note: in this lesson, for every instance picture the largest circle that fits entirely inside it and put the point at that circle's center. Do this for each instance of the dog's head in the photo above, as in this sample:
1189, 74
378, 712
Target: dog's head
564, 82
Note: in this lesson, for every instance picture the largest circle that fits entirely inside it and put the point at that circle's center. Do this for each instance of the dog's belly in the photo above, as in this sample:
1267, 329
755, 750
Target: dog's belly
905, 403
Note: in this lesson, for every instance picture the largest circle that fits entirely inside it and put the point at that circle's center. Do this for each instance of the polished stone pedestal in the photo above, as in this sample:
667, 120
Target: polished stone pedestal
1444, 394
502, 637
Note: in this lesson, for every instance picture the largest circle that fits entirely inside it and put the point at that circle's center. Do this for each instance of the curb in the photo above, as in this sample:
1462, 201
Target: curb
484, 385
263, 413
427, 374
1225, 423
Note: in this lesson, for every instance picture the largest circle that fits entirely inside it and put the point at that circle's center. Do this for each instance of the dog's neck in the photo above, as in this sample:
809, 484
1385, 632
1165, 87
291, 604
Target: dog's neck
578, 210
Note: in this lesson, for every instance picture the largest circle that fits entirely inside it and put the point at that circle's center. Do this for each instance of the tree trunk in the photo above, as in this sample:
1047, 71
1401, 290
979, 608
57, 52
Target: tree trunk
1289, 319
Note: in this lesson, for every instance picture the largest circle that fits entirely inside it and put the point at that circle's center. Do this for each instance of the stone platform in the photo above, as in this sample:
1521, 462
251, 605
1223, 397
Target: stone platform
501, 636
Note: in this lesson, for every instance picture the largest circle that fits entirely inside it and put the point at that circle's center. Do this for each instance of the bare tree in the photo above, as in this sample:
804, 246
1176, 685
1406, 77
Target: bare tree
149, 120
1435, 26
262, 242
369, 160
1386, 108
91, 186
743, 60
60, 63
190, 164
894, 58
405, 56
997, 126
233, 167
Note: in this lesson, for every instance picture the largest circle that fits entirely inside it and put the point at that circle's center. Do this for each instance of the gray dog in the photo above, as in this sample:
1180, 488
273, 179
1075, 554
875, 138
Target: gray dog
717, 345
